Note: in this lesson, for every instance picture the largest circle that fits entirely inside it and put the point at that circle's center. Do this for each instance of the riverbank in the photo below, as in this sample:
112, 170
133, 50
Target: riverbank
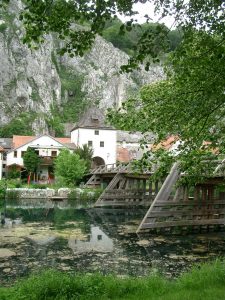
204, 282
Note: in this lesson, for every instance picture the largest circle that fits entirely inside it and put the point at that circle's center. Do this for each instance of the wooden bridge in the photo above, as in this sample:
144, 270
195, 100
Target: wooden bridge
124, 186
171, 207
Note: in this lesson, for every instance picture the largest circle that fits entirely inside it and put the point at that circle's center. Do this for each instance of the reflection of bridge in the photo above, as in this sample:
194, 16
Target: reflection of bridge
201, 206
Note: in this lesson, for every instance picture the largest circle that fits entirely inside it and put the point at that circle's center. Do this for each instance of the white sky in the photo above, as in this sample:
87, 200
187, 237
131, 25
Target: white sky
147, 8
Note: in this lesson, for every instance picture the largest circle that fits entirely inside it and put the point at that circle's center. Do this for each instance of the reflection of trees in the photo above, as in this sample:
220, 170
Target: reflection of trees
58, 217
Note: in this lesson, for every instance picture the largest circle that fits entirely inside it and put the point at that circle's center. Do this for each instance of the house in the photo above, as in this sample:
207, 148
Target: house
128, 145
46, 146
97, 241
97, 134
108, 144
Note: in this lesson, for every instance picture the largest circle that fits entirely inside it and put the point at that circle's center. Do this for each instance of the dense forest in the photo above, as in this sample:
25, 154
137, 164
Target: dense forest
126, 40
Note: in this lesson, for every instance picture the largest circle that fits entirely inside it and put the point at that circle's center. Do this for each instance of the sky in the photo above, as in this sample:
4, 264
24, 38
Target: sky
147, 8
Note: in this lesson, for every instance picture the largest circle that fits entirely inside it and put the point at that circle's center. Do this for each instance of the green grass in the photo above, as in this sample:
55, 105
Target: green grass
206, 282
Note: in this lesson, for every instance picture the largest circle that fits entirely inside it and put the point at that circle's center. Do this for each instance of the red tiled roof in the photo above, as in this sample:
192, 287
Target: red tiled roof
63, 140
168, 143
19, 140
123, 155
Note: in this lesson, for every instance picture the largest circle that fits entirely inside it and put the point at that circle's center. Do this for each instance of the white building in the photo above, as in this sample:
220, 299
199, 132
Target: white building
45, 146
108, 145
97, 241
101, 137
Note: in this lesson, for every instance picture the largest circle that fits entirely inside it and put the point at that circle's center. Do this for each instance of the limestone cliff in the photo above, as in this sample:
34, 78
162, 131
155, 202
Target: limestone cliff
40, 82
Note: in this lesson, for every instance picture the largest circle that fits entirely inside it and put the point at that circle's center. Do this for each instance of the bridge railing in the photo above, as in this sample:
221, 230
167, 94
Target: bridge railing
210, 168
119, 168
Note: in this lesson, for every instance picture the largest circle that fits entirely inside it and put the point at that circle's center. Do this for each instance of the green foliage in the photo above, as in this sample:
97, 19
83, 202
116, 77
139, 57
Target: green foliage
38, 186
55, 123
3, 187
13, 173
69, 166
21, 125
86, 153
74, 101
189, 104
12, 195
31, 160
130, 39
3, 27
206, 282
72, 88
85, 194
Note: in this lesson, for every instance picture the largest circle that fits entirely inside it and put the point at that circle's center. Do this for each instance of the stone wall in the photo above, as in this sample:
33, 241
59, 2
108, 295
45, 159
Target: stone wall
24, 193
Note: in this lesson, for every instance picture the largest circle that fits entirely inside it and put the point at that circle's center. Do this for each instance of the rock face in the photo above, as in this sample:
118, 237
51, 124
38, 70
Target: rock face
102, 80
34, 81
29, 81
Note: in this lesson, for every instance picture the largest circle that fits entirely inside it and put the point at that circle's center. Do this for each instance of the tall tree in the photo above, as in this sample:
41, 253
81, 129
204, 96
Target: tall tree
85, 153
69, 166
189, 104
31, 160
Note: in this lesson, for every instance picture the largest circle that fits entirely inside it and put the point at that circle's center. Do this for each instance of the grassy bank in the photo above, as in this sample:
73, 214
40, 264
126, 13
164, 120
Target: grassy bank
206, 282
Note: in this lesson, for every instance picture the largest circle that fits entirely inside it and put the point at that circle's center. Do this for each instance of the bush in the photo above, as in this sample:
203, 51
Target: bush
38, 186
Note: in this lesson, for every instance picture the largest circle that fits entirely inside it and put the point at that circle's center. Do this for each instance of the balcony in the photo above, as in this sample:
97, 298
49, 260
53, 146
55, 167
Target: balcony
47, 160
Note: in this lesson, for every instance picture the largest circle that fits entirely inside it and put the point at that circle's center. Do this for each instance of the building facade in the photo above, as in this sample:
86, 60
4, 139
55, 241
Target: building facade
108, 144
45, 146
101, 137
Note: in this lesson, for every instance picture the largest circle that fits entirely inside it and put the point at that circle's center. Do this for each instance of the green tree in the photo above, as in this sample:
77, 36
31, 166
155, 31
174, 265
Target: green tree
86, 153
13, 173
69, 166
31, 160
189, 104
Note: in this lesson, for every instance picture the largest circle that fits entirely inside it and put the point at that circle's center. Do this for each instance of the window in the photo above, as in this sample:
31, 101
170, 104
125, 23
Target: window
96, 132
99, 237
22, 153
54, 153
15, 153
101, 144
90, 143
37, 152
4, 156
4, 165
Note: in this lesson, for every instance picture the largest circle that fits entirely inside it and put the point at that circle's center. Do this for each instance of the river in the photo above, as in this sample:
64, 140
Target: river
75, 238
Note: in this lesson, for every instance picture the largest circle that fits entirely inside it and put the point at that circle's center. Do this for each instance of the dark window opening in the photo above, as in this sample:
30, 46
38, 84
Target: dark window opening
99, 237
90, 143
15, 153
96, 132
101, 144
54, 153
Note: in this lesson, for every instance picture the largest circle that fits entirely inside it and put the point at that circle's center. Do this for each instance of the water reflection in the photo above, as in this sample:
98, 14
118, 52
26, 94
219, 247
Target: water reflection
48, 203
88, 240
97, 241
